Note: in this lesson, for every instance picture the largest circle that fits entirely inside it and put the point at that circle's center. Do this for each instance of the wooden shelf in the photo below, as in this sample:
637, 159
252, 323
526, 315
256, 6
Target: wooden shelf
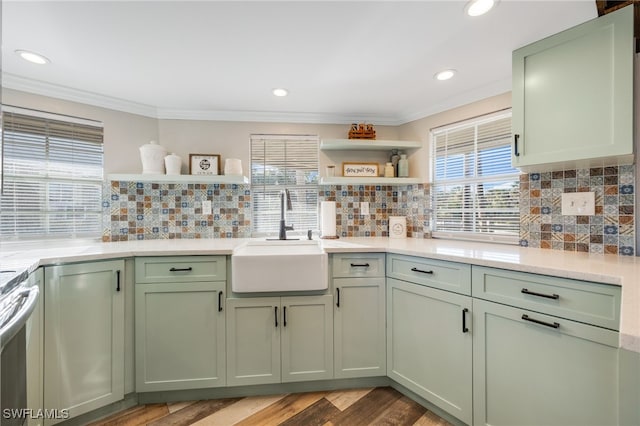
341, 180
178, 178
366, 145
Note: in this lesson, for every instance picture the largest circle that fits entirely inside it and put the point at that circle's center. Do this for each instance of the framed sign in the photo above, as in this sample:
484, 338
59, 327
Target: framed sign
360, 169
204, 164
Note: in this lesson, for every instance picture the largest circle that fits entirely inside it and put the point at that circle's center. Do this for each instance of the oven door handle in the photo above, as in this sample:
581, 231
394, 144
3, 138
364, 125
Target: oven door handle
20, 318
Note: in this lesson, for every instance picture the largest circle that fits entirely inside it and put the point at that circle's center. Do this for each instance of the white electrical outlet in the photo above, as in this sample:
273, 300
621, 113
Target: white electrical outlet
579, 203
364, 208
206, 207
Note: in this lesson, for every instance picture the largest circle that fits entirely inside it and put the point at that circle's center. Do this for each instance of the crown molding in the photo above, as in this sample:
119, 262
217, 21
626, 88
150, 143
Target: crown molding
15, 82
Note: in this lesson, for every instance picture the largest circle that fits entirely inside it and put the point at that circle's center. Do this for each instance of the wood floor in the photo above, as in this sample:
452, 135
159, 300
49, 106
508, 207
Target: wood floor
377, 406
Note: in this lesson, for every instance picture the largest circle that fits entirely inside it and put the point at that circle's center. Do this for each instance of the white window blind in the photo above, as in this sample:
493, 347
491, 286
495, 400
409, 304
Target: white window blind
52, 176
475, 189
281, 162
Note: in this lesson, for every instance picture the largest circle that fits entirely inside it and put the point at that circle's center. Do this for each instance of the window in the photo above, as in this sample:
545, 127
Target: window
281, 162
52, 176
475, 189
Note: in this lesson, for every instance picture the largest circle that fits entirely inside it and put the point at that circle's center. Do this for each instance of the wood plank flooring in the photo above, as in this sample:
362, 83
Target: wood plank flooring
373, 406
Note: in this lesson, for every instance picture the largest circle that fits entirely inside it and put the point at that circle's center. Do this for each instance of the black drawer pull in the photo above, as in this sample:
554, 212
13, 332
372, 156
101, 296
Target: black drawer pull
276, 315
421, 271
181, 269
464, 320
118, 280
515, 145
338, 297
284, 316
220, 302
359, 265
533, 293
546, 324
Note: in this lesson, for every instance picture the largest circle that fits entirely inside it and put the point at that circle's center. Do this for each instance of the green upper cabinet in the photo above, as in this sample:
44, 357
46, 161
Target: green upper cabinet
573, 96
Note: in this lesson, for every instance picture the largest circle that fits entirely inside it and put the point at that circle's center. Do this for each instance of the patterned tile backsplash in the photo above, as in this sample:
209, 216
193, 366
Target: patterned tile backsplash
612, 228
137, 210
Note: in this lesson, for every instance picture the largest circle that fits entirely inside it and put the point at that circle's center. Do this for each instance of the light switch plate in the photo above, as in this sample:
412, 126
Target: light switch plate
578, 204
206, 207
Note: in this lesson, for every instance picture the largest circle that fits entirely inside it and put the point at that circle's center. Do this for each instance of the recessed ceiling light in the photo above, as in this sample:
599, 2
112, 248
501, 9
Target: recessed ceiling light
479, 7
444, 75
280, 92
32, 57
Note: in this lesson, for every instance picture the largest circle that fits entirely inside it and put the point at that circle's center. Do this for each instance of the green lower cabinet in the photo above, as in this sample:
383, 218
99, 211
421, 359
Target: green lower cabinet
83, 336
35, 352
359, 327
429, 345
180, 336
550, 372
279, 339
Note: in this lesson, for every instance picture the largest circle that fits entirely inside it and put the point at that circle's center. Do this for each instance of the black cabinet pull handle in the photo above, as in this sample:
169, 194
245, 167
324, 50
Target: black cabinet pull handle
338, 297
464, 320
546, 324
515, 145
118, 280
181, 269
220, 302
284, 316
359, 265
422, 271
547, 296
276, 315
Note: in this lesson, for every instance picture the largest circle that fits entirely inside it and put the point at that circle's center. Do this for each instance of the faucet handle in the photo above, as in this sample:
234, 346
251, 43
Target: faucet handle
288, 227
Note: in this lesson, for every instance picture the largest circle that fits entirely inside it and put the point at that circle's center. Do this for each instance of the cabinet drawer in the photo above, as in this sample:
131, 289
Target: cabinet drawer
358, 265
180, 269
440, 274
587, 302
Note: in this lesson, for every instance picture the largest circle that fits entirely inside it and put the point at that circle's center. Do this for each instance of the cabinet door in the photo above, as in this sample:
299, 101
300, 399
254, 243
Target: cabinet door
359, 327
84, 336
573, 93
527, 373
35, 353
428, 347
253, 341
180, 336
307, 338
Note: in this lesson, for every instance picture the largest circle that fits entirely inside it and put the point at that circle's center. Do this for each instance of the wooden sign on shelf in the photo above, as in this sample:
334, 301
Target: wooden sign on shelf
362, 131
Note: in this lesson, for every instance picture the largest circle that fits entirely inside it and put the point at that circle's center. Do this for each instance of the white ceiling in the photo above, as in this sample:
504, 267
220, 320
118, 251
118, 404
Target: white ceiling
341, 61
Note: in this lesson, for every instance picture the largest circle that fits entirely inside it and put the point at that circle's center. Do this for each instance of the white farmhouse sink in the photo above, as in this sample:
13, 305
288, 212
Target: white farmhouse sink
272, 266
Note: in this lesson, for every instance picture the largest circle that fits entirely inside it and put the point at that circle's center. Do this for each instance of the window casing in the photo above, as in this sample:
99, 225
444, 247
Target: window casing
475, 190
52, 169
281, 162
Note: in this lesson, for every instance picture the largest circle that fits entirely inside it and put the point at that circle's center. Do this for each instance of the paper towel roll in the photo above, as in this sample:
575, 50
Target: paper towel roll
328, 219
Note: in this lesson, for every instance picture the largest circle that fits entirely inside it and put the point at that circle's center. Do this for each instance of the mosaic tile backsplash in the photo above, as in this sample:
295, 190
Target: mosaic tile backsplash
612, 228
142, 211
137, 210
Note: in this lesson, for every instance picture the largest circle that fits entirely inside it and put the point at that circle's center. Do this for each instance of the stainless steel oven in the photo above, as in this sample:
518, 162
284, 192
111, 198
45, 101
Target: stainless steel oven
17, 302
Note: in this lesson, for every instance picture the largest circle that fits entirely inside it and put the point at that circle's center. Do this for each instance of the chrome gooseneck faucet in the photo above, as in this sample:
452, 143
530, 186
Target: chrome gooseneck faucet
284, 194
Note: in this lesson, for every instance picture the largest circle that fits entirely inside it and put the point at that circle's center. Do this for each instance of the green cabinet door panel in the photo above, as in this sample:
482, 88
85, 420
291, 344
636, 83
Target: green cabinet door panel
427, 349
253, 341
84, 336
180, 331
359, 327
527, 373
307, 338
35, 351
573, 94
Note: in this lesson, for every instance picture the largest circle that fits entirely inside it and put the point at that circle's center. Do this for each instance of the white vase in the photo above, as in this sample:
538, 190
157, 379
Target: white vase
173, 164
152, 157
233, 167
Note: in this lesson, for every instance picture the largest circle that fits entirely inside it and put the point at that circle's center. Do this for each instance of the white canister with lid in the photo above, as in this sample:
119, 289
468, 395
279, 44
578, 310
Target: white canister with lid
233, 167
173, 164
152, 157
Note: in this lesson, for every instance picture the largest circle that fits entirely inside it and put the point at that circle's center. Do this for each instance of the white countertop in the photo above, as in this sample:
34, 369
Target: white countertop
622, 271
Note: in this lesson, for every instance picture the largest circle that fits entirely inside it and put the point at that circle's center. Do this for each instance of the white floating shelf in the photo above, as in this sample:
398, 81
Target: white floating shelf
341, 180
178, 178
366, 144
